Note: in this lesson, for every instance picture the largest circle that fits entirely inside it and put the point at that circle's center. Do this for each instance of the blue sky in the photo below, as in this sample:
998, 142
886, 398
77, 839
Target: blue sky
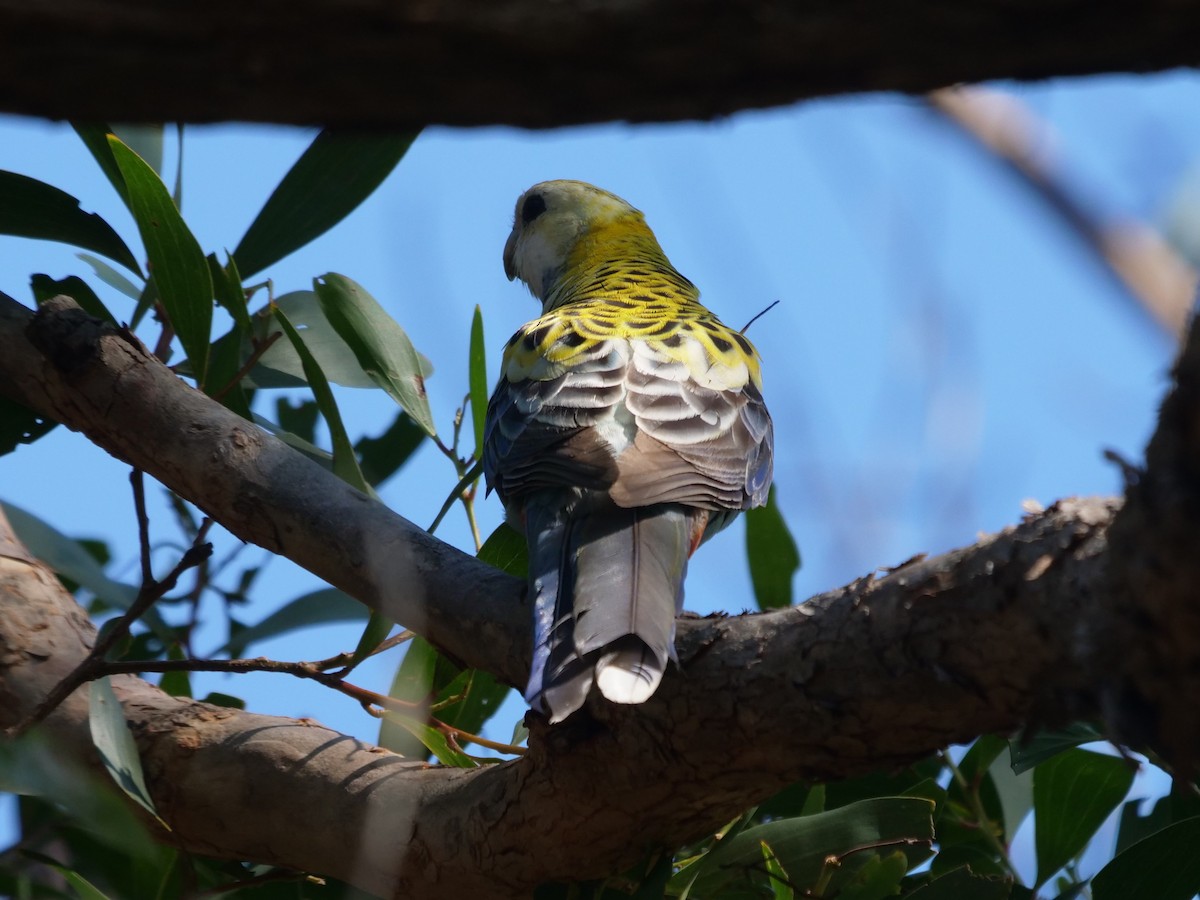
942, 351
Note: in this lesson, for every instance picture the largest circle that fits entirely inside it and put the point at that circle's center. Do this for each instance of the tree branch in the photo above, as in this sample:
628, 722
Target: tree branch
1023, 628
519, 62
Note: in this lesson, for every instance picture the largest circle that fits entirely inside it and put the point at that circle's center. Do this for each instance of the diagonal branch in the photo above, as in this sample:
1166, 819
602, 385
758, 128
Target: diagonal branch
1022, 628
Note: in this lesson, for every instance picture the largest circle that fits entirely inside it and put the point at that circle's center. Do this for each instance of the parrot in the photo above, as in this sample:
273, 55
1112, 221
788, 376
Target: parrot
627, 426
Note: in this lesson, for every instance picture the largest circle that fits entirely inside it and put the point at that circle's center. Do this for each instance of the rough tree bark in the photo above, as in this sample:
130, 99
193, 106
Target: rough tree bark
382, 64
1031, 625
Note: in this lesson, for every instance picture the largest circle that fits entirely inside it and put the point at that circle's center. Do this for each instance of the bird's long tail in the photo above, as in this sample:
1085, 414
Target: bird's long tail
607, 584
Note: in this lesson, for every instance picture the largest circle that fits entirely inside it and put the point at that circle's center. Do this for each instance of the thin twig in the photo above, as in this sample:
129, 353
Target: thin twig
95, 666
260, 348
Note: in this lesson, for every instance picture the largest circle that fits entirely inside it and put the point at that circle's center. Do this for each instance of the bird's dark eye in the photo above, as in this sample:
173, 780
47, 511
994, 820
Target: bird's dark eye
535, 205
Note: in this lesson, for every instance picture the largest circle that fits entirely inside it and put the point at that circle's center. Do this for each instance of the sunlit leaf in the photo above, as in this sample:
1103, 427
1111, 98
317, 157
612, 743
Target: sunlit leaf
772, 554
331, 179
433, 741
280, 367
804, 844
144, 140
781, 888
1073, 794
379, 343
177, 263
111, 276
115, 744
33, 209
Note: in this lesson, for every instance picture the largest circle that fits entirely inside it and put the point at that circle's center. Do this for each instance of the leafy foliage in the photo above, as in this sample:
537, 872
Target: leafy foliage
940, 829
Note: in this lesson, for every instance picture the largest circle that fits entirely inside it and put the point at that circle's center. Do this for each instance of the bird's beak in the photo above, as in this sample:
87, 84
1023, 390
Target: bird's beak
510, 249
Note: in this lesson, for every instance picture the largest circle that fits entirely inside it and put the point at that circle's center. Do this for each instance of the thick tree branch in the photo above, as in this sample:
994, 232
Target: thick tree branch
870, 676
473, 62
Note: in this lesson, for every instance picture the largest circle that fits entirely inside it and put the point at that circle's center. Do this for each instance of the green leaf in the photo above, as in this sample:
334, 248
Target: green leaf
20, 425
505, 549
216, 698
316, 608
878, 878
772, 554
1175, 807
781, 888
462, 699
228, 291
1073, 794
33, 209
144, 140
111, 276
377, 629
331, 179
84, 889
66, 557
1027, 751
379, 343
44, 287
177, 684
280, 367
962, 884
95, 138
804, 844
224, 363
345, 464
1015, 793
115, 744
177, 263
382, 456
433, 741
1164, 866
477, 375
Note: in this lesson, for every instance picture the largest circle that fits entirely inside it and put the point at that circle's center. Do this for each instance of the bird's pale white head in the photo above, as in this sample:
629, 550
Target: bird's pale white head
551, 220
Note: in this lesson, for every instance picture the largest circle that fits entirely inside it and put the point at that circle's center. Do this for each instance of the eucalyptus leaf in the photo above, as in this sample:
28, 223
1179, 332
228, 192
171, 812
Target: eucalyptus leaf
345, 463
804, 844
115, 744
320, 607
111, 276
381, 346
33, 209
20, 425
337, 172
477, 378
772, 554
178, 265
1073, 794
44, 288
1164, 866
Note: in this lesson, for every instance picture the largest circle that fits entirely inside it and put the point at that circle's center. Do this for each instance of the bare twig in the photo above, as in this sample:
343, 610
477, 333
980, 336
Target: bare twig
94, 665
260, 348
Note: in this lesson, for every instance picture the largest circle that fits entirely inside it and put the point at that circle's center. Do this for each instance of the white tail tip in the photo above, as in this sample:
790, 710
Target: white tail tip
628, 676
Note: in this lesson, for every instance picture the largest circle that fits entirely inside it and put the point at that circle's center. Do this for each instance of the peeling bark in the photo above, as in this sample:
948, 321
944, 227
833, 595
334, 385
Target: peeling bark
382, 64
